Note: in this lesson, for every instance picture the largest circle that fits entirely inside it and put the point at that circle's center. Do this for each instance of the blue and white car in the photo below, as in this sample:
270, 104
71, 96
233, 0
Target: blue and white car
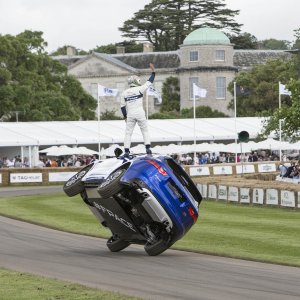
147, 199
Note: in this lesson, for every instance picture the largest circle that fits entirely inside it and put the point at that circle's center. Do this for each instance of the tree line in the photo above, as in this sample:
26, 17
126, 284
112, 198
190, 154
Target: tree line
35, 87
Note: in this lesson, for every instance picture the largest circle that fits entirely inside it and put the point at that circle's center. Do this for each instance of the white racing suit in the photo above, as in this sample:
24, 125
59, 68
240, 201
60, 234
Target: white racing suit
132, 109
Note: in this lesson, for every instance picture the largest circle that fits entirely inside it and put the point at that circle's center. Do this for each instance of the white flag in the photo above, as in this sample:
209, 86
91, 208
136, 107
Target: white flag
197, 91
283, 90
153, 92
104, 91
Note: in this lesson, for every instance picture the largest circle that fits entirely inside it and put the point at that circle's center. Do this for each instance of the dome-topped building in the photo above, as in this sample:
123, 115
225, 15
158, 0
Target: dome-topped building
206, 36
206, 59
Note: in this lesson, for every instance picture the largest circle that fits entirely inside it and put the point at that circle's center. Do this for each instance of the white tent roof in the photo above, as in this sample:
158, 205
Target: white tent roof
112, 132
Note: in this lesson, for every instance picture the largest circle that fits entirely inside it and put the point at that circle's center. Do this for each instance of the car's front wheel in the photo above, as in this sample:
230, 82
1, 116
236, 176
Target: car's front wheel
112, 184
74, 185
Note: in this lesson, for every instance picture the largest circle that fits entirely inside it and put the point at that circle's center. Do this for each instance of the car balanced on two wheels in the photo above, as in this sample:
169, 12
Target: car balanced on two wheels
147, 200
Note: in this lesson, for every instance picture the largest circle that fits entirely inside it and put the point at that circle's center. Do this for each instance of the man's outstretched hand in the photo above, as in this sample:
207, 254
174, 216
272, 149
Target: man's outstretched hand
151, 66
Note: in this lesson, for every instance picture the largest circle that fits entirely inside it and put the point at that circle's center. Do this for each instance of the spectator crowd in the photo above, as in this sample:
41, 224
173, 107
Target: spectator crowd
72, 161
184, 159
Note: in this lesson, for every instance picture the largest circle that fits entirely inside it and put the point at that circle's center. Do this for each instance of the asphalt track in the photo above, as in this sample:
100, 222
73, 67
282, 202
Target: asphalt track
29, 190
171, 275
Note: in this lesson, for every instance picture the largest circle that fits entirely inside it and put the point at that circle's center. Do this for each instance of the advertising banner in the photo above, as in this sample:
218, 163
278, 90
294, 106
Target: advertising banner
244, 195
223, 170
212, 191
287, 198
272, 197
258, 196
241, 169
25, 177
233, 194
222, 195
263, 168
199, 171
202, 189
60, 176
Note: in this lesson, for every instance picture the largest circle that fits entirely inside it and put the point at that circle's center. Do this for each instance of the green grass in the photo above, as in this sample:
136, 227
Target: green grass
56, 211
16, 286
250, 232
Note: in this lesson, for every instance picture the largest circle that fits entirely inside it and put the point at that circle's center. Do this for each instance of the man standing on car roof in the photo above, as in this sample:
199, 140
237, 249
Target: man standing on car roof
133, 111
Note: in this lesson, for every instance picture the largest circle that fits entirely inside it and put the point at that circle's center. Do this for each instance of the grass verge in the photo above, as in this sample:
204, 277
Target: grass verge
249, 232
17, 285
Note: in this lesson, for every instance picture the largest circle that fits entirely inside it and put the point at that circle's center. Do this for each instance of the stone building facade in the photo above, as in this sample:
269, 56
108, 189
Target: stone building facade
206, 58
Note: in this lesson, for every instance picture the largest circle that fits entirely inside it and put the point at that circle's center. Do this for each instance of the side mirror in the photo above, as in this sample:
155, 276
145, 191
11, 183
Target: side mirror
118, 152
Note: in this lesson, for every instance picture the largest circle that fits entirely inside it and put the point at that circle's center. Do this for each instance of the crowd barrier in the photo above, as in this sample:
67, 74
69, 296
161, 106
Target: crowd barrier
35, 176
247, 195
230, 193
232, 169
38, 176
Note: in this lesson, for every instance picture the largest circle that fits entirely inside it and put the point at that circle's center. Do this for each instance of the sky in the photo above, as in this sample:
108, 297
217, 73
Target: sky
87, 24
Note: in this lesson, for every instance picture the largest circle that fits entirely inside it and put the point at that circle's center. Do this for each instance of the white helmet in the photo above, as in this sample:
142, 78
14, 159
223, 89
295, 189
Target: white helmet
134, 81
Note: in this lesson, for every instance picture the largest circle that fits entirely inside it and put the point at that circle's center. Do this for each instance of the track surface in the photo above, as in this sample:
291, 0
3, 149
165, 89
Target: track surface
29, 190
172, 275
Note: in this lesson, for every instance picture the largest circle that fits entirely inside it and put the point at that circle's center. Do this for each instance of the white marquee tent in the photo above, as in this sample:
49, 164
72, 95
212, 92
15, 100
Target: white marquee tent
46, 134
167, 136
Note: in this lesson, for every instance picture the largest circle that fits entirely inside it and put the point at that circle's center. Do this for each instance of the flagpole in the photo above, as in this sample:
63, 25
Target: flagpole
147, 103
98, 108
194, 104
279, 100
235, 139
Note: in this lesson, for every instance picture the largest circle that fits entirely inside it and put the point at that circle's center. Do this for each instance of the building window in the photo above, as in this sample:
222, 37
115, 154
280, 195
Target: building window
220, 55
221, 87
192, 80
194, 55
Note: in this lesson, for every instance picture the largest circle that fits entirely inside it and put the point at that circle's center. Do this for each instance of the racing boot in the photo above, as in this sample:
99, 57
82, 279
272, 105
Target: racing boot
127, 153
148, 150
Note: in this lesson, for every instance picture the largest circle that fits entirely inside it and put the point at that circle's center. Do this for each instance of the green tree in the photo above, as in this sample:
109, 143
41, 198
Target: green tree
260, 86
63, 51
130, 47
37, 86
166, 23
288, 115
296, 44
165, 115
109, 115
202, 112
274, 44
170, 95
243, 41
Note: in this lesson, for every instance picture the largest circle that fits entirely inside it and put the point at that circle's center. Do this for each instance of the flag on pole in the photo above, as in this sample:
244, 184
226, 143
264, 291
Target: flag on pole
197, 91
283, 90
153, 92
242, 91
104, 91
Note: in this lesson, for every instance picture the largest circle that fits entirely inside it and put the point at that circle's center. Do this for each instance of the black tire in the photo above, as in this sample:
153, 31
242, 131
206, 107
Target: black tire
74, 185
111, 185
115, 244
156, 248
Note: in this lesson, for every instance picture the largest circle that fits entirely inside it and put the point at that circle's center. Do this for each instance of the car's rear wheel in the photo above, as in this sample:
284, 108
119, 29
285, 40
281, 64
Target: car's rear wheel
112, 184
156, 248
74, 185
115, 244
